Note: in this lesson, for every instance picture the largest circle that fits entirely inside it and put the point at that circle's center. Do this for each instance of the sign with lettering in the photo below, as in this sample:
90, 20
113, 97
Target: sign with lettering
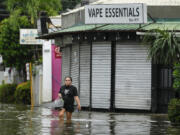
116, 14
57, 52
28, 37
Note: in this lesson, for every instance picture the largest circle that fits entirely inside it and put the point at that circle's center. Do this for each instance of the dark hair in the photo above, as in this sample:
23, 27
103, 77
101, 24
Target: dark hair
68, 77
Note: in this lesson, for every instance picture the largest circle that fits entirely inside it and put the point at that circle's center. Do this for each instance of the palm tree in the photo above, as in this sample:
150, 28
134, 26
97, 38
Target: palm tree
163, 46
165, 49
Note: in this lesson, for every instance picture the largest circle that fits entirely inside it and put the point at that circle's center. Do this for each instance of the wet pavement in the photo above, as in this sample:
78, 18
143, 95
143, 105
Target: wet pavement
23, 120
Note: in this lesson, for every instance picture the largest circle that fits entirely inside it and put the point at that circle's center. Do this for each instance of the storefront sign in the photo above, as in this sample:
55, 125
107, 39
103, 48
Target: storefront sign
28, 37
116, 14
57, 52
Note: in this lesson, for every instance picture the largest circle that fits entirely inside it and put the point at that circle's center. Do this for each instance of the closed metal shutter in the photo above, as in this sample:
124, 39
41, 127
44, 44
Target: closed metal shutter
101, 75
75, 65
133, 77
85, 75
65, 63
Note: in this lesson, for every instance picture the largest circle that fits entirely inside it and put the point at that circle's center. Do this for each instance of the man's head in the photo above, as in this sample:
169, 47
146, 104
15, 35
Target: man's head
68, 80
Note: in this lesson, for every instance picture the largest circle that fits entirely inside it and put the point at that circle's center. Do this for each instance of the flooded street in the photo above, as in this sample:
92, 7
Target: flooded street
21, 120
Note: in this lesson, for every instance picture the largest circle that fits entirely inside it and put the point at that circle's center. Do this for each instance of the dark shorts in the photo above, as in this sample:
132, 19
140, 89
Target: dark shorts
69, 107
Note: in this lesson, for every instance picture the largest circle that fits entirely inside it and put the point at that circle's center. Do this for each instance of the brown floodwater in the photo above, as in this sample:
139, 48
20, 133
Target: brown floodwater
24, 120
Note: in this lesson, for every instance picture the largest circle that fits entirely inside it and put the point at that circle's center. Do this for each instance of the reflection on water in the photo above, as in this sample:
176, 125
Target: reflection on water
21, 120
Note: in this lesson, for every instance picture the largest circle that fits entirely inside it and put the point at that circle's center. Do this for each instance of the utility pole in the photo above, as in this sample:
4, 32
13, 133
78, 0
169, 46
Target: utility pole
32, 96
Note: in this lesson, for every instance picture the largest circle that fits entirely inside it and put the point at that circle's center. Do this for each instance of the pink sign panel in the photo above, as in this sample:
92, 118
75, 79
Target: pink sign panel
56, 71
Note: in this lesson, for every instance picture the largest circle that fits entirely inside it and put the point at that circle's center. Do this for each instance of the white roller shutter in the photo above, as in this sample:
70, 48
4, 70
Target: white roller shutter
101, 75
65, 63
75, 65
133, 77
85, 75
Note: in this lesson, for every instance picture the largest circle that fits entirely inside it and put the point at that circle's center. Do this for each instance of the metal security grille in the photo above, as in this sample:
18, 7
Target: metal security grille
101, 75
75, 65
85, 74
133, 77
164, 87
65, 63
165, 77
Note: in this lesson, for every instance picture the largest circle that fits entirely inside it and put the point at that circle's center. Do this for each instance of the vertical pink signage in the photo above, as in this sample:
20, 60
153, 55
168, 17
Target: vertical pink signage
56, 71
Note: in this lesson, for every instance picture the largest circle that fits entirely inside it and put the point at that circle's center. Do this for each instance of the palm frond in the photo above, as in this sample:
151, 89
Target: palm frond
163, 46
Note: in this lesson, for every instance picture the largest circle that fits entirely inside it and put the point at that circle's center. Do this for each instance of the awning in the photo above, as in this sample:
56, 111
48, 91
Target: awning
170, 26
92, 28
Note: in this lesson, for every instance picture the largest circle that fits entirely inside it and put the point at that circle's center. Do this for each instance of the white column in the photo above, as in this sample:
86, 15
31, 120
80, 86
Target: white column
47, 72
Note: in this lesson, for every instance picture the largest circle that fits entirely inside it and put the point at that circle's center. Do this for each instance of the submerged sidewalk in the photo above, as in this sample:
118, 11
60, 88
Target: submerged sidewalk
45, 121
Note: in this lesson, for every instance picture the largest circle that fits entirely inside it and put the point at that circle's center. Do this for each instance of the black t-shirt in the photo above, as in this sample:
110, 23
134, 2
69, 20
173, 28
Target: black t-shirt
68, 93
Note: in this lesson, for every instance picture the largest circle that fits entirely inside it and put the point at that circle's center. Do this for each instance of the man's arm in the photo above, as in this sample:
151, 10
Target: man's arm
78, 102
60, 96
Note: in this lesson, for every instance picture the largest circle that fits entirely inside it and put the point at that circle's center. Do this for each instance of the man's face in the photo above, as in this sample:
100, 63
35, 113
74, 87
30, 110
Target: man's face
68, 81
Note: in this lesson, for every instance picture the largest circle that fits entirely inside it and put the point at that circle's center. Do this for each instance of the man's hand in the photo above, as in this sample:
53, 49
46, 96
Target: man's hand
78, 102
60, 96
79, 107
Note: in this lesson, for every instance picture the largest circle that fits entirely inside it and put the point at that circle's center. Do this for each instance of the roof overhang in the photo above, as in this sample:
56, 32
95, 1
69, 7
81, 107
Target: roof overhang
140, 29
91, 29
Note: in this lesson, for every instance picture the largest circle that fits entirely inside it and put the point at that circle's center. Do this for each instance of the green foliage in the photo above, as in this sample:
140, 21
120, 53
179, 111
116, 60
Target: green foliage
40, 60
69, 4
22, 93
163, 46
14, 54
176, 75
7, 93
32, 8
174, 111
11, 93
3, 82
23, 14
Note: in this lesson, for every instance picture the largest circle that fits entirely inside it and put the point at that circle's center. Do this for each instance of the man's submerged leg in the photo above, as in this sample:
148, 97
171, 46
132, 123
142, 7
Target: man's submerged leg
61, 114
68, 116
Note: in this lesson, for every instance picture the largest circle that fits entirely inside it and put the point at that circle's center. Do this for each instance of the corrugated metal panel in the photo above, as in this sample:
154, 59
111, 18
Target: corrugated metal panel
65, 63
101, 75
133, 77
167, 25
75, 65
79, 28
100, 27
163, 26
118, 27
85, 74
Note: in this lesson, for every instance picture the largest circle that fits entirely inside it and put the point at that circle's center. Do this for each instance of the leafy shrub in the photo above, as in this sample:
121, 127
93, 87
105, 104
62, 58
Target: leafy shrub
22, 93
174, 111
7, 93
176, 75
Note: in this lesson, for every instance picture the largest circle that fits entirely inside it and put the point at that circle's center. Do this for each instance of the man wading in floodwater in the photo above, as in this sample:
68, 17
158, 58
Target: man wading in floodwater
68, 92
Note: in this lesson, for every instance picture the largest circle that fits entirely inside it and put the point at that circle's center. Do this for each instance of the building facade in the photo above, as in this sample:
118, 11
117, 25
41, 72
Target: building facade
109, 65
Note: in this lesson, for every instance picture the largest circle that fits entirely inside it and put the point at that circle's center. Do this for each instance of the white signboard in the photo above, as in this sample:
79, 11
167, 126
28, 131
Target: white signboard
28, 37
1, 60
116, 14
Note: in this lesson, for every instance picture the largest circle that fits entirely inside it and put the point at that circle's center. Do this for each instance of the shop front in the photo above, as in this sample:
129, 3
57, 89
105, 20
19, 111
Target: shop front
108, 61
